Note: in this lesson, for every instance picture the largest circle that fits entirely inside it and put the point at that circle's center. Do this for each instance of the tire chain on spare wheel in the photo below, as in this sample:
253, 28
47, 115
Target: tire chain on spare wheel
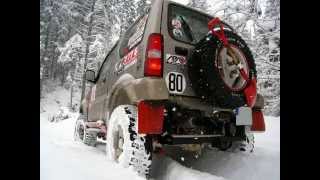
205, 75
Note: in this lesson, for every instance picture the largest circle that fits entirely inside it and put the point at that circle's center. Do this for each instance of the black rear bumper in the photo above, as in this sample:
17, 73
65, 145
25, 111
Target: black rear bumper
196, 139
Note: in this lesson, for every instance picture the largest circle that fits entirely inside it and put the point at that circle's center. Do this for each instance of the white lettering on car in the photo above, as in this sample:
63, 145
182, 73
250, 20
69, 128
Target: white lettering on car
127, 61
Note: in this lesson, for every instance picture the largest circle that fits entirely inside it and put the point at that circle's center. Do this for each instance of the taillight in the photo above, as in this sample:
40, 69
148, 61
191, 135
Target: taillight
154, 54
250, 92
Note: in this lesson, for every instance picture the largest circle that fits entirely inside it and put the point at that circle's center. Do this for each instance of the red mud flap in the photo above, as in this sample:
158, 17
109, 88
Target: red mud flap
150, 117
258, 124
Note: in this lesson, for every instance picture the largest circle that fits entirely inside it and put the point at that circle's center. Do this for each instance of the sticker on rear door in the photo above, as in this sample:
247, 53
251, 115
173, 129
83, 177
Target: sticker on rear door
176, 59
176, 82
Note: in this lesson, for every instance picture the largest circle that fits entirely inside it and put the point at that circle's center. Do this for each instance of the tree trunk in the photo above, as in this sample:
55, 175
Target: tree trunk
46, 42
83, 86
40, 88
62, 71
54, 57
71, 94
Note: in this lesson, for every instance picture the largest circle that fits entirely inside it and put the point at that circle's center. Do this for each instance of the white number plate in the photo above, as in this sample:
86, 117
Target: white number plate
244, 116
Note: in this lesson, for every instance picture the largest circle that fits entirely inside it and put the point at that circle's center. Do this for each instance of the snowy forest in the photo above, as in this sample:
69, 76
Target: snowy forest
77, 34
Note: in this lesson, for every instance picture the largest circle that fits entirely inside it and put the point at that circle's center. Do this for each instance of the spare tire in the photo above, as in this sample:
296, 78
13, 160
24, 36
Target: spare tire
213, 75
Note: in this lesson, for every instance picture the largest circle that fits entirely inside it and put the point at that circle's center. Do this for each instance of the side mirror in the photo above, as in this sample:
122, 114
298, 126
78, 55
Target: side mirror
90, 75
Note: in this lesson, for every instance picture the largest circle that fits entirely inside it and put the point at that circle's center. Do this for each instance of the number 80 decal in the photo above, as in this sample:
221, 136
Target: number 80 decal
176, 82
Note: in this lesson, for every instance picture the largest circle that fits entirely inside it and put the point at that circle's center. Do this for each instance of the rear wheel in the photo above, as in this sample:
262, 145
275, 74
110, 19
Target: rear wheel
224, 145
90, 138
82, 134
124, 144
79, 129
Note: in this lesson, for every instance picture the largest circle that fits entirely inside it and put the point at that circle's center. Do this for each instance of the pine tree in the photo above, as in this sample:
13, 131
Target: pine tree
71, 57
199, 4
92, 16
142, 7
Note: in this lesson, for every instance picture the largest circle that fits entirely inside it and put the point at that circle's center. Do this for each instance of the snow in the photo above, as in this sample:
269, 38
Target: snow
63, 158
184, 2
75, 42
168, 169
54, 100
262, 164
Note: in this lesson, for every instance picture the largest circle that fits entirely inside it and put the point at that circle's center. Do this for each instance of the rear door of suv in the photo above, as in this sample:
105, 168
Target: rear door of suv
182, 28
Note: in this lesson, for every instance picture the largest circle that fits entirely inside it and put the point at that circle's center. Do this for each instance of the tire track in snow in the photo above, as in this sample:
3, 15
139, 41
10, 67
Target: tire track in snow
164, 168
62, 158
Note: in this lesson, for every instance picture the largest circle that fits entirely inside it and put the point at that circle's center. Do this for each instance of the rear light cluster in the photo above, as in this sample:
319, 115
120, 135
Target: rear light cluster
154, 65
250, 92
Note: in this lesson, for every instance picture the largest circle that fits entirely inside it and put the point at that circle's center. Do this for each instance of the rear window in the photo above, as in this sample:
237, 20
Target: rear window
186, 25
133, 35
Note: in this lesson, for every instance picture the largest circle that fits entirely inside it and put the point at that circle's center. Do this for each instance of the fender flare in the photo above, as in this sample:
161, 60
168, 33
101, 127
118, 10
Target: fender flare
128, 90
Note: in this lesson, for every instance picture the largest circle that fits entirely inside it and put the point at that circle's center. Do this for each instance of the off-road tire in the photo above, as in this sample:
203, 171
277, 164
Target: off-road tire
81, 133
136, 149
90, 139
78, 129
247, 144
205, 76
224, 145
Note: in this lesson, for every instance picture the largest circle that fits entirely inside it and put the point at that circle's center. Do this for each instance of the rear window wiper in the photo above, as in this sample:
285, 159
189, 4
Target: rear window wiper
187, 28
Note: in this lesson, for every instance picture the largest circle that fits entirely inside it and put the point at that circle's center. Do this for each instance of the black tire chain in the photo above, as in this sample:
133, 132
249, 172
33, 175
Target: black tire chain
89, 139
76, 134
141, 149
207, 83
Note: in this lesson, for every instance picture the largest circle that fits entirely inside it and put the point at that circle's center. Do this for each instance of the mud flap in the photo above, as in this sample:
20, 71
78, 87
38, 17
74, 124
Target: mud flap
258, 124
150, 117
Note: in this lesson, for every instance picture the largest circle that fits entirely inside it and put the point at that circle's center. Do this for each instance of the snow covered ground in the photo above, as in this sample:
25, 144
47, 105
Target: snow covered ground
64, 159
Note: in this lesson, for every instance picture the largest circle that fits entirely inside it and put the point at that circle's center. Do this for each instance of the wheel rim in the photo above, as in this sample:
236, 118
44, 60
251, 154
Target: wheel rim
228, 70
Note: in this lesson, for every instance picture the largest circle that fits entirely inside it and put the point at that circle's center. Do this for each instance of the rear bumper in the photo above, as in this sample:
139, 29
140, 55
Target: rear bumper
196, 139
147, 89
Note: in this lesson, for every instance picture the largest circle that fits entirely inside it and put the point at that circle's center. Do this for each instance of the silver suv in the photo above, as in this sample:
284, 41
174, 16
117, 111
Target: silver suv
177, 76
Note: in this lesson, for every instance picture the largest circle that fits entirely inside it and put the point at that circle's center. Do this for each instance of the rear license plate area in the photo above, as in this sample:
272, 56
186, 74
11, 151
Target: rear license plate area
243, 116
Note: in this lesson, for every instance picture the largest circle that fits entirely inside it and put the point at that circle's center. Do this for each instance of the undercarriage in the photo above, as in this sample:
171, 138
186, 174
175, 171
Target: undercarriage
184, 127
